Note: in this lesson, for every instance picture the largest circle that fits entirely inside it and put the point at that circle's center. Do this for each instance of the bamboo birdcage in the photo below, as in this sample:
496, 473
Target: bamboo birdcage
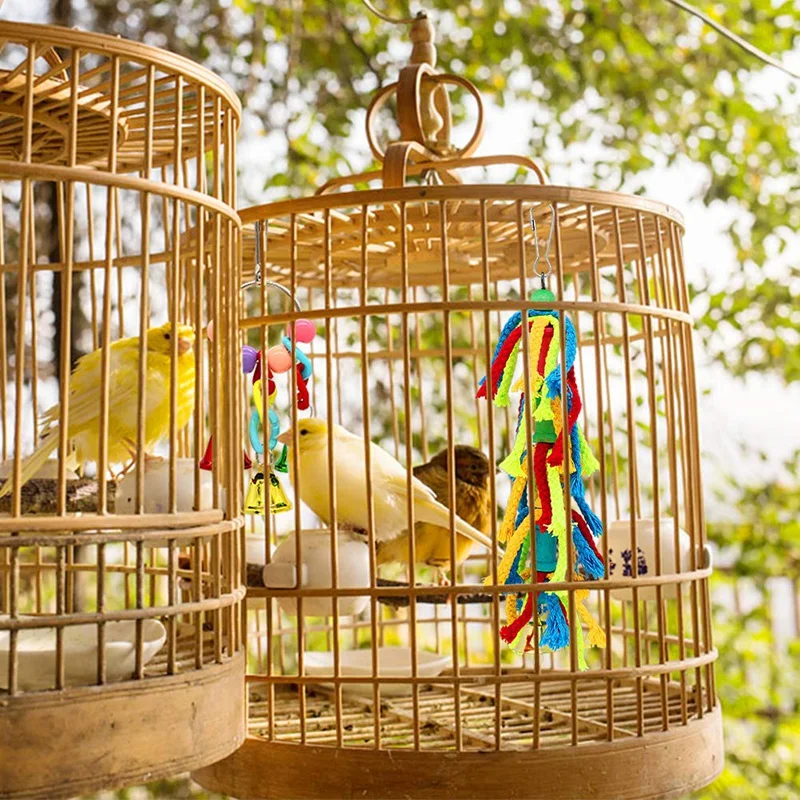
410, 285
121, 629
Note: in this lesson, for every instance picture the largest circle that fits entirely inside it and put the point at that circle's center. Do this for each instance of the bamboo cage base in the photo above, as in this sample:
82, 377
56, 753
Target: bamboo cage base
477, 711
168, 723
651, 763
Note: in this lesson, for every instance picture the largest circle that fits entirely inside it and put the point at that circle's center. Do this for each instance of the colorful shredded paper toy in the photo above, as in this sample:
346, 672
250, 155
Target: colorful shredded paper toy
550, 471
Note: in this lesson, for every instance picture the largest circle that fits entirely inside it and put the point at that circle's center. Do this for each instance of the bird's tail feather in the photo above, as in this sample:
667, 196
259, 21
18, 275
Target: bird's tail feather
34, 462
437, 514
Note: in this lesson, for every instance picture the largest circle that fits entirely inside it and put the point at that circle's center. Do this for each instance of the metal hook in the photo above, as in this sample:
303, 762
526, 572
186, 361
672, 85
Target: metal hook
259, 258
543, 275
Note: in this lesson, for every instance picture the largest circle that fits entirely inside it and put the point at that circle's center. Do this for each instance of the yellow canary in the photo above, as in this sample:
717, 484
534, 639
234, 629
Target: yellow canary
123, 394
389, 485
473, 505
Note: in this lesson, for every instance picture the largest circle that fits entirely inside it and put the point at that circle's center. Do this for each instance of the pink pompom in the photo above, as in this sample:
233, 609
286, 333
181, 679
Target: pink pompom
304, 331
279, 359
210, 331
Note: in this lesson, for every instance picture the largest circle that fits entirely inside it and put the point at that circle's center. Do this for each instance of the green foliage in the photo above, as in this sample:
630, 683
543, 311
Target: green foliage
759, 686
758, 672
643, 83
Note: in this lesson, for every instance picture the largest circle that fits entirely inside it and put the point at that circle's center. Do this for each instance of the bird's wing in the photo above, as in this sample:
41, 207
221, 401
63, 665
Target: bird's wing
86, 381
390, 470
435, 478
431, 510
426, 506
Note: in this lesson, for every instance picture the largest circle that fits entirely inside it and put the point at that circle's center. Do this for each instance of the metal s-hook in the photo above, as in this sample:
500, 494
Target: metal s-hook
257, 277
543, 275
259, 257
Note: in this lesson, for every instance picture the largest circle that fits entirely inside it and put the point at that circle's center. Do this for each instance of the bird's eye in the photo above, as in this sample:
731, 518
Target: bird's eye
166, 336
303, 431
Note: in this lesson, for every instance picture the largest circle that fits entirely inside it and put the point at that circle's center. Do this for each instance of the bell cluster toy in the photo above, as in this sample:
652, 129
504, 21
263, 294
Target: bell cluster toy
280, 359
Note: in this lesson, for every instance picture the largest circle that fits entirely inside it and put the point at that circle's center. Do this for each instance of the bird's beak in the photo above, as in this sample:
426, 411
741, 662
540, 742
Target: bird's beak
185, 339
286, 437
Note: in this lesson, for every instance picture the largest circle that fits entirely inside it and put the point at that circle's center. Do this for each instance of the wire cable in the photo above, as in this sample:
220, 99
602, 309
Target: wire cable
743, 43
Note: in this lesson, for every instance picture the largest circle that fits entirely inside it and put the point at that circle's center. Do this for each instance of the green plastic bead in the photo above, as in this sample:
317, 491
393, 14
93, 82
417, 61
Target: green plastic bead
543, 296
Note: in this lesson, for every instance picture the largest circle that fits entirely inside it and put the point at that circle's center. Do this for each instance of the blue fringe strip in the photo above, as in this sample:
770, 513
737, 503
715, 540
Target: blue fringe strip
556, 630
585, 557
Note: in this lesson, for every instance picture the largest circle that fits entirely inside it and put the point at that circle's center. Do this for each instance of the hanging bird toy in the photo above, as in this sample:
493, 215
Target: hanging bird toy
279, 360
550, 474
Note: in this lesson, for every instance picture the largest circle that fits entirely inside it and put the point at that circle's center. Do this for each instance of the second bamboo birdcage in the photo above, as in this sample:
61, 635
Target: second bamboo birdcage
553, 662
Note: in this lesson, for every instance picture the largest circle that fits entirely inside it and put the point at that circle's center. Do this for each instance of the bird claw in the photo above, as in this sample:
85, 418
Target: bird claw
116, 477
149, 461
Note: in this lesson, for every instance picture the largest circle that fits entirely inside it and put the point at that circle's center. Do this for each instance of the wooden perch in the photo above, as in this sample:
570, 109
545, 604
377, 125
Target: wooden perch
39, 496
255, 580
398, 601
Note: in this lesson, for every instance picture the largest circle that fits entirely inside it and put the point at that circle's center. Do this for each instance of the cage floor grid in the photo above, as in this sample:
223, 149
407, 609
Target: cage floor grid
477, 712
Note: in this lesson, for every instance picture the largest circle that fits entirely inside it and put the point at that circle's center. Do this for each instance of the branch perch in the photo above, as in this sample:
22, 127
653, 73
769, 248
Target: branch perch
40, 496
255, 580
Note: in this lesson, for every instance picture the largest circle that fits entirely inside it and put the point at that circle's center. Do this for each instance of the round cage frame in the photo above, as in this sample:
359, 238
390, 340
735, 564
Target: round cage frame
121, 628
412, 285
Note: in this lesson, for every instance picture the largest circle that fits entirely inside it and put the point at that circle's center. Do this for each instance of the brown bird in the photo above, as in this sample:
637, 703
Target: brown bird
473, 505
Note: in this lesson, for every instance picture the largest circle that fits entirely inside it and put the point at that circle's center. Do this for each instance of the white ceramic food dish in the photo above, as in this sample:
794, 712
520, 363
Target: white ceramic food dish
316, 572
621, 564
156, 491
393, 662
36, 653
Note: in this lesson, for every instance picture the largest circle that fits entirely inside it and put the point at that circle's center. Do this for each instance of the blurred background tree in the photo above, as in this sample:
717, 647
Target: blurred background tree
615, 92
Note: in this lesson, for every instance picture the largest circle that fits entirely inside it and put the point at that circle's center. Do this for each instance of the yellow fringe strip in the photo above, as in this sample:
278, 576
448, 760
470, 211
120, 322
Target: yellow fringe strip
504, 567
511, 463
544, 410
589, 463
534, 346
597, 636
507, 526
558, 524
